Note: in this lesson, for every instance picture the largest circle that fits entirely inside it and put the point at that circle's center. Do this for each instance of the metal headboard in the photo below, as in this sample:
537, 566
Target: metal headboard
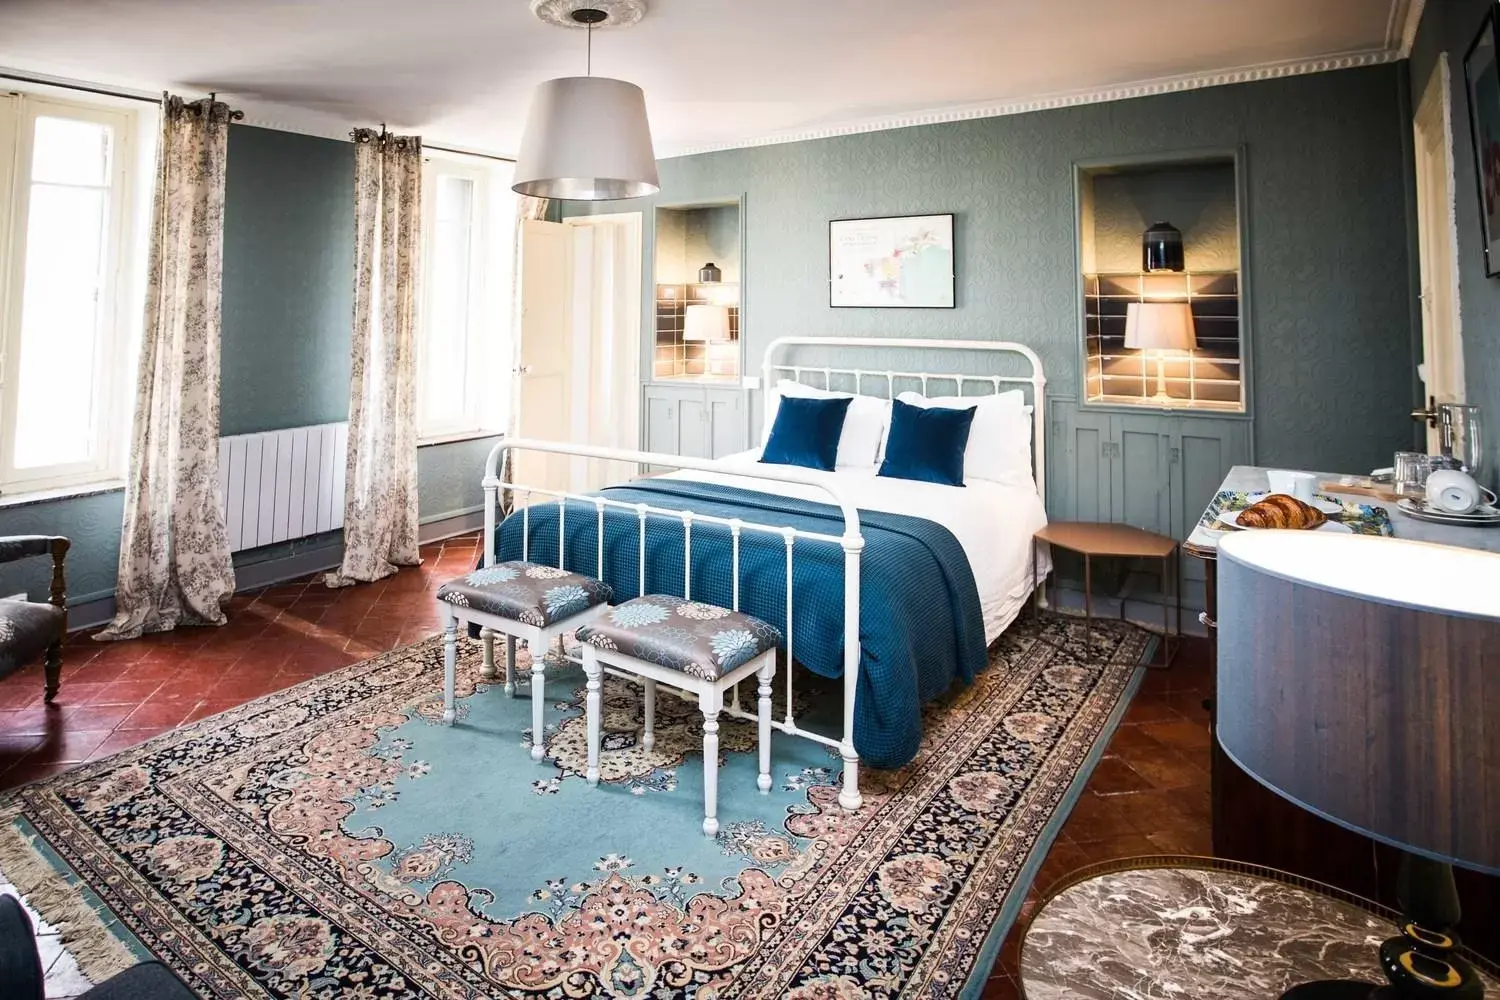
1038, 382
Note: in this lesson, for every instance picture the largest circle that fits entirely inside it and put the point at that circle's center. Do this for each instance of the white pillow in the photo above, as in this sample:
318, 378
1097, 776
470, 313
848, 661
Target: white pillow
864, 424
999, 447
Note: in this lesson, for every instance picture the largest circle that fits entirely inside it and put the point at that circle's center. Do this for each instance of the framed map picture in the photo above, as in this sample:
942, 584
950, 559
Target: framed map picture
901, 262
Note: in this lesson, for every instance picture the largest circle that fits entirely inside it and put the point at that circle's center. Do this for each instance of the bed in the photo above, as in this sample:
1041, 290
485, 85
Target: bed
897, 587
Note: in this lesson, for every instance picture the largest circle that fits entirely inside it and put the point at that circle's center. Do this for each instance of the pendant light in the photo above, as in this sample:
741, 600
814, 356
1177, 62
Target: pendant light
587, 137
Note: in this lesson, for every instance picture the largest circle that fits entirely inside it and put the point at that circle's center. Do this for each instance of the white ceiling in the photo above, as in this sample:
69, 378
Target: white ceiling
715, 72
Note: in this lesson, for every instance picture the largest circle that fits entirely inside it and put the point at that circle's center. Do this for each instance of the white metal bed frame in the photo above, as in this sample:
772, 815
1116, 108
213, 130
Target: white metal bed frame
851, 541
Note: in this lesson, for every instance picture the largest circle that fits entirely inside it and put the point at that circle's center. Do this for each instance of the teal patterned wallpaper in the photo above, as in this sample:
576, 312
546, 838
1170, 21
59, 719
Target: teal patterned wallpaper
288, 280
1326, 224
1451, 26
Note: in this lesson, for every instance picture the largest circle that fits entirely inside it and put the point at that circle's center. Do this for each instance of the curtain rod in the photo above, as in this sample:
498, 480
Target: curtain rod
465, 152
65, 85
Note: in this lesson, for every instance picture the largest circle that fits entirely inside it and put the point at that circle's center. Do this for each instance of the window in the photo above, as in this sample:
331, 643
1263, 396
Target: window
64, 212
464, 328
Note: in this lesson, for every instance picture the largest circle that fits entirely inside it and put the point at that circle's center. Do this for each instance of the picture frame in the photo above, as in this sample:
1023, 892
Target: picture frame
891, 262
1482, 86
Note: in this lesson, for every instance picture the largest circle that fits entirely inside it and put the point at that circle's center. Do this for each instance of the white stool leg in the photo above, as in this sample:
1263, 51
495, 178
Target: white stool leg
487, 670
538, 698
450, 662
510, 666
763, 720
648, 737
709, 701
593, 710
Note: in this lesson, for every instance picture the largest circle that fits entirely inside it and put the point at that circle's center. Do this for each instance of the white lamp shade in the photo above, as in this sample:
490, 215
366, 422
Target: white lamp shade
587, 139
1159, 326
706, 323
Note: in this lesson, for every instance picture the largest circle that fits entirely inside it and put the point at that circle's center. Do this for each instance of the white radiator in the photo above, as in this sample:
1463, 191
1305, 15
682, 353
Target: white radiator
279, 485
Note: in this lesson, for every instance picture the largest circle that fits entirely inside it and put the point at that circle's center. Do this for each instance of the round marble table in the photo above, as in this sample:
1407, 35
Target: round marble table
1170, 928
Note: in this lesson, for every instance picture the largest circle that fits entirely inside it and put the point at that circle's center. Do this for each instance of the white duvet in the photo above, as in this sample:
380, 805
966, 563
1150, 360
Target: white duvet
994, 522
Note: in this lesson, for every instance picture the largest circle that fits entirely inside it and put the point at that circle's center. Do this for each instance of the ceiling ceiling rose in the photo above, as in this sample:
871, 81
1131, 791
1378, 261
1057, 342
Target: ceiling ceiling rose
618, 13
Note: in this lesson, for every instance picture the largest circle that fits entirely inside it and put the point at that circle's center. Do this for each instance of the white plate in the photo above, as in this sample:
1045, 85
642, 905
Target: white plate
1326, 506
1231, 519
1484, 516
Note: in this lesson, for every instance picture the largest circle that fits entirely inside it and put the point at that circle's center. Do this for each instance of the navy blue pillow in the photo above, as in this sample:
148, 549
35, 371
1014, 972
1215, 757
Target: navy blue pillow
927, 443
806, 432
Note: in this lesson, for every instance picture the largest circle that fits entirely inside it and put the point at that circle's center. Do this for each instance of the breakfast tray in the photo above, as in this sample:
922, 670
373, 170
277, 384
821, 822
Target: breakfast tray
1363, 518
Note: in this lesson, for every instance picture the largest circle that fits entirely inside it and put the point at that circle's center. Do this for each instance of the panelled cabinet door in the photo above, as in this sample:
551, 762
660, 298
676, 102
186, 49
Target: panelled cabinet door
1202, 451
1089, 470
1140, 484
726, 421
676, 420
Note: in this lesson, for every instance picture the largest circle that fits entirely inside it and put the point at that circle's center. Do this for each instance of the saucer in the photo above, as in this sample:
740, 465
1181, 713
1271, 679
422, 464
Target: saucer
1483, 516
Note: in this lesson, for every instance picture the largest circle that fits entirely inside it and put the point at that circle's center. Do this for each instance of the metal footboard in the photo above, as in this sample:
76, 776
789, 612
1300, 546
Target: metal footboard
850, 541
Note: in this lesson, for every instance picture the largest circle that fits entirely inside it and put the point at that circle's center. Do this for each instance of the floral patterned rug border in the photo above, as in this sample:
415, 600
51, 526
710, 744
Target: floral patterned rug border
955, 918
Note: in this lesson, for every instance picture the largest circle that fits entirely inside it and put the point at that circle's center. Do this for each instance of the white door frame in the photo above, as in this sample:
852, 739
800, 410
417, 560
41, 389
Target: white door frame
1442, 366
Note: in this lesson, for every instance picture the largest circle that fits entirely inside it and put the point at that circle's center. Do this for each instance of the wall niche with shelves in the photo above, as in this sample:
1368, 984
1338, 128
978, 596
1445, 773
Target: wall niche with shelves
1201, 288
692, 240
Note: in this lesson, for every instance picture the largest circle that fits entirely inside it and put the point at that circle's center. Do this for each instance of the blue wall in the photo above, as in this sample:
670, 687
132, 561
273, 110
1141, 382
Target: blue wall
1451, 26
1327, 181
288, 280
288, 302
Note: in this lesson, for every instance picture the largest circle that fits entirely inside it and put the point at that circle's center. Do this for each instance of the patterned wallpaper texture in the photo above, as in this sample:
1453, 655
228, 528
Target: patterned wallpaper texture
1451, 26
1329, 285
1199, 200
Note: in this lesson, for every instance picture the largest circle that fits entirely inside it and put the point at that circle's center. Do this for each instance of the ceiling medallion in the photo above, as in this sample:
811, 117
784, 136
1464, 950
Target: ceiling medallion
618, 13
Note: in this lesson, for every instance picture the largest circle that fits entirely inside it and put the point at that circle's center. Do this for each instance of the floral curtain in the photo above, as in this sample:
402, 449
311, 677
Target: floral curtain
527, 208
174, 550
380, 491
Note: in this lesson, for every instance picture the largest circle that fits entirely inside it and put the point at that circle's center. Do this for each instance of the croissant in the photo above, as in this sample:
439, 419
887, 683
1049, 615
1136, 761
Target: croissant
1281, 511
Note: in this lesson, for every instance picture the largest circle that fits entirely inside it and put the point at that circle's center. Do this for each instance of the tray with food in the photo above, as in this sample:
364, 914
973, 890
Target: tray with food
1232, 510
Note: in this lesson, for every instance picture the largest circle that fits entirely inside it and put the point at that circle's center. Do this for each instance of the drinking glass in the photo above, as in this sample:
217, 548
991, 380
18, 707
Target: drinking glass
1412, 470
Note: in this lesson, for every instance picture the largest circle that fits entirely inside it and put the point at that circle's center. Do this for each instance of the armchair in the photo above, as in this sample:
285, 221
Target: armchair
29, 629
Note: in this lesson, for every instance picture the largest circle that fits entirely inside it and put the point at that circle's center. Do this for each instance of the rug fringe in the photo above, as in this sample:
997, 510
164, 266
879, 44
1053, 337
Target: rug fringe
98, 952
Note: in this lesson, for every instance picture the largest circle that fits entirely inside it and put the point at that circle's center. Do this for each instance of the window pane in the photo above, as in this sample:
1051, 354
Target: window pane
69, 151
59, 325
446, 335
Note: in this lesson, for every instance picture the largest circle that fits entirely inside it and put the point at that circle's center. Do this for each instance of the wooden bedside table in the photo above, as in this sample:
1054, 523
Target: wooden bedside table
1090, 539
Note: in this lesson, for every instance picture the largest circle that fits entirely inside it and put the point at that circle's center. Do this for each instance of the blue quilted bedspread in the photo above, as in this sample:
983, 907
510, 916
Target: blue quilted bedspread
919, 617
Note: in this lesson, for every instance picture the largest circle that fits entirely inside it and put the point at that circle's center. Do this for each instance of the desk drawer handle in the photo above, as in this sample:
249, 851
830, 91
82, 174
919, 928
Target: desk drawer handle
1204, 620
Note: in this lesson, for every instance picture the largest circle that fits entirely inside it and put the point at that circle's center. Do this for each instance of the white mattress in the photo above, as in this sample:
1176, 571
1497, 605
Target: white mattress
993, 522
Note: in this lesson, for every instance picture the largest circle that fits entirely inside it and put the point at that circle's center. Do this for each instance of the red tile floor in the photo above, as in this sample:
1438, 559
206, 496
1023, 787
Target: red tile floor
1149, 795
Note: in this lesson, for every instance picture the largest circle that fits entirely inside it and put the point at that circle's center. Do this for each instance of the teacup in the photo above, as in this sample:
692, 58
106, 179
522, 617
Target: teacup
1455, 492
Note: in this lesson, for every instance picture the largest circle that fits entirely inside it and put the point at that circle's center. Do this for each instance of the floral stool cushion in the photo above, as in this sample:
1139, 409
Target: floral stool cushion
27, 628
702, 640
526, 592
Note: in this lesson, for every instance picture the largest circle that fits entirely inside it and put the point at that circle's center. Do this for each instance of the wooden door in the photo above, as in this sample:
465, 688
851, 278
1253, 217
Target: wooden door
1442, 367
544, 383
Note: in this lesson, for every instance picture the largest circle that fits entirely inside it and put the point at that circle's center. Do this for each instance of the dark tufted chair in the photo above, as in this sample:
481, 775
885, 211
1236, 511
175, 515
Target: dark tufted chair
29, 629
23, 978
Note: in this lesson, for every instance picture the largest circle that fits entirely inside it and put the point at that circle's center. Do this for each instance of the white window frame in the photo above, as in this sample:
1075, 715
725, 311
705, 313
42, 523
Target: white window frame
491, 281
113, 370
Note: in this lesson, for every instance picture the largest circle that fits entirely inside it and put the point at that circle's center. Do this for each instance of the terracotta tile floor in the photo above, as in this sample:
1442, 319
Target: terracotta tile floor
1149, 795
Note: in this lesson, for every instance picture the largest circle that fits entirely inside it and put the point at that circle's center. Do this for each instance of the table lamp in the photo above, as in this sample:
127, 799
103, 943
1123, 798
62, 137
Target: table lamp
1359, 677
706, 323
1157, 327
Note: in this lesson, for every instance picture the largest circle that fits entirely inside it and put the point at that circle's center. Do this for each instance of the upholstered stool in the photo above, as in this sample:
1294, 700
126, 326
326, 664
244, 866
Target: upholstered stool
696, 647
520, 600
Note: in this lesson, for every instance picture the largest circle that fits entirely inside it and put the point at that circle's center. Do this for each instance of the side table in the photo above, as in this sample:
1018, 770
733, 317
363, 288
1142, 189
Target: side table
1090, 539
1168, 928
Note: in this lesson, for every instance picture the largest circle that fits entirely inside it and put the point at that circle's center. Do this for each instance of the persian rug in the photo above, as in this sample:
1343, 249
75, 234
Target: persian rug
335, 840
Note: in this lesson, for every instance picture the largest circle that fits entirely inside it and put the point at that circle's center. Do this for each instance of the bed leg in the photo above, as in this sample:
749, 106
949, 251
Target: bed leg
849, 796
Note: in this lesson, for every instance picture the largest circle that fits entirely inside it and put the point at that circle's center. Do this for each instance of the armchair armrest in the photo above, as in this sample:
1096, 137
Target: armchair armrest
13, 547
